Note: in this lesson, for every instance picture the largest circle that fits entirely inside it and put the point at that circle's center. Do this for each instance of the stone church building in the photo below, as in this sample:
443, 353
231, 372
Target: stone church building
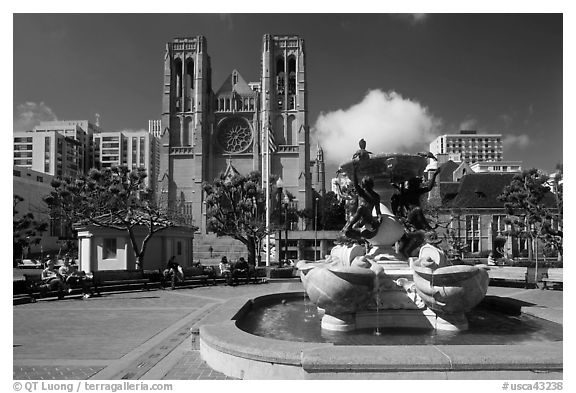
207, 130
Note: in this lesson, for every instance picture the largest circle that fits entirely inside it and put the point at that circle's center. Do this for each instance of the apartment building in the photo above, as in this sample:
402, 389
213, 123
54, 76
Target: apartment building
469, 146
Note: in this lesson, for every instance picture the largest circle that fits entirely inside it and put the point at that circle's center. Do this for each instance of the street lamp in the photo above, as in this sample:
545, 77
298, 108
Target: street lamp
286, 200
315, 227
279, 188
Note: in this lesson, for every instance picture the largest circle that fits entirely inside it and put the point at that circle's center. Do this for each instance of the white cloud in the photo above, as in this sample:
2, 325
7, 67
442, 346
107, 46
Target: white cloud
387, 121
516, 141
30, 114
469, 124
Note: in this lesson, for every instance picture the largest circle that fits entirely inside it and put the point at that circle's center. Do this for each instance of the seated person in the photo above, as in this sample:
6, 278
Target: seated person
51, 279
73, 278
172, 272
241, 269
226, 270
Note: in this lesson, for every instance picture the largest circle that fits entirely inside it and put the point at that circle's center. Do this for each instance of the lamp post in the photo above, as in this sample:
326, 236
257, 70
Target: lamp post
279, 188
286, 200
315, 226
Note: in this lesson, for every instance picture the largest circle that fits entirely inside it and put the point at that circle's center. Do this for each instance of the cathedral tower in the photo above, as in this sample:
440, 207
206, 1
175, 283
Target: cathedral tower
206, 132
187, 93
285, 113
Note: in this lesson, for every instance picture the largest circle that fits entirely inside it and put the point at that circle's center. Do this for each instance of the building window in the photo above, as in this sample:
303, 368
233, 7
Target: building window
472, 232
179, 248
142, 151
39, 179
109, 248
17, 173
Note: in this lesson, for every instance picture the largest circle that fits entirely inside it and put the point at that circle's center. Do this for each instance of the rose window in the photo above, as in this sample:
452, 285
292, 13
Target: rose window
235, 135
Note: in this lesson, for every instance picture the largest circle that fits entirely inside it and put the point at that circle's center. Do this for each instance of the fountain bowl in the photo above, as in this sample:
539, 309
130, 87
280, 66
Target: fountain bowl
386, 168
451, 289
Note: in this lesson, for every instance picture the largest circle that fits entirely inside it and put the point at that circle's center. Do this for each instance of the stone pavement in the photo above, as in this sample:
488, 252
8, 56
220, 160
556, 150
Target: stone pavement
129, 335
146, 335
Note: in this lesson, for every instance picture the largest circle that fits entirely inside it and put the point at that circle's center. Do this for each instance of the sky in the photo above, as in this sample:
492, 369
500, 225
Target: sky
396, 80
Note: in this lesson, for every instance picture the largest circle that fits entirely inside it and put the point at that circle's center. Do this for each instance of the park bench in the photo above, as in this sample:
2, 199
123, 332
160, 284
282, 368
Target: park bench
509, 274
120, 280
553, 276
34, 283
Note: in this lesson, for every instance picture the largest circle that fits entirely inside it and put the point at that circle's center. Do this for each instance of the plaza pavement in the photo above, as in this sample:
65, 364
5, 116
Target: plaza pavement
146, 335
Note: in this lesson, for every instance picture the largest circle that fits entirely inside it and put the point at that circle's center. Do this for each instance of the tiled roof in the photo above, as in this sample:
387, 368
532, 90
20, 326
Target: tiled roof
481, 190
447, 171
138, 218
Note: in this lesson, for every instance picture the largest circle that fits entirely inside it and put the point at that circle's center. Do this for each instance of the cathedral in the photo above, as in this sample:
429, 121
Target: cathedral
241, 126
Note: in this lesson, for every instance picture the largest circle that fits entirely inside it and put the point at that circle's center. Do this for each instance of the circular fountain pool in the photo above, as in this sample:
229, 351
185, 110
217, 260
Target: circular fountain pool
299, 320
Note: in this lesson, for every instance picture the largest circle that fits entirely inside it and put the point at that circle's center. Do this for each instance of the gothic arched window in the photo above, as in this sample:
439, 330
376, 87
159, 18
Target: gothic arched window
178, 75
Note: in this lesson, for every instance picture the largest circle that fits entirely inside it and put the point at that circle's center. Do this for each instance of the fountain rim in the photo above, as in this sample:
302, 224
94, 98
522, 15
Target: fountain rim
228, 349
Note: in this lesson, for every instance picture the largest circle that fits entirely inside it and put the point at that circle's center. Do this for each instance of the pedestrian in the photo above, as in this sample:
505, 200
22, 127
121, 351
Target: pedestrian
211, 250
172, 272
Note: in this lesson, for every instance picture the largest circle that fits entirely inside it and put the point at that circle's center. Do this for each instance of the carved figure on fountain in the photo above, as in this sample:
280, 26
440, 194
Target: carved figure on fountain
362, 224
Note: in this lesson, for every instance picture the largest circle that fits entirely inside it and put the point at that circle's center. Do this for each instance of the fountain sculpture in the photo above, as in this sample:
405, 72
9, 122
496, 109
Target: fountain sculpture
384, 287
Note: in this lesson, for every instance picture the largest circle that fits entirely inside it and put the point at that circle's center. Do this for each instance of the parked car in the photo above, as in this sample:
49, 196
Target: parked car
29, 264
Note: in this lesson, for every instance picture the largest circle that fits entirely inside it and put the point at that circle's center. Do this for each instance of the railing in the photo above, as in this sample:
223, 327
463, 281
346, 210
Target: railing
182, 151
288, 148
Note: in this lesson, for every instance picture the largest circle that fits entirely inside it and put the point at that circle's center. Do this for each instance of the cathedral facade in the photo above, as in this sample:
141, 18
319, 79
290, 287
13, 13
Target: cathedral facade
207, 131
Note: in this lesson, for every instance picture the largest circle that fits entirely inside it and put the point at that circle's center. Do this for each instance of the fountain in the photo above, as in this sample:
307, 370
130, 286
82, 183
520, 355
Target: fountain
369, 282
382, 287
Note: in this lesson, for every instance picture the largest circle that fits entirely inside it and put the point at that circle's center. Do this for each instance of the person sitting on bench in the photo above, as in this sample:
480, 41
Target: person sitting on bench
73, 278
226, 270
51, 279
241, 269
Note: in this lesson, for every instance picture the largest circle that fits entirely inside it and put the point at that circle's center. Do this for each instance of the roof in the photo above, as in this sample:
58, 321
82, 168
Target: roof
447, 171
138, 218
240, 87
481, 190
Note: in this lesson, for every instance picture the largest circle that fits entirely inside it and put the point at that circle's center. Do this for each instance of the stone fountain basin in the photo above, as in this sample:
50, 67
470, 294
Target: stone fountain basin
239, 354
338, 289
451, 289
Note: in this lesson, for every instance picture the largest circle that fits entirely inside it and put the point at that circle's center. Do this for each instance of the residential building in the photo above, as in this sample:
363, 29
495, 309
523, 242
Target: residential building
497, 166
134, 149
33, 186
470, 146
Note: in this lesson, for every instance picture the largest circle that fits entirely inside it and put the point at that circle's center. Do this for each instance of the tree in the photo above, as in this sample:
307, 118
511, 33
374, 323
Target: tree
526, 200
235, 207
114, 198
26, 229
331, 211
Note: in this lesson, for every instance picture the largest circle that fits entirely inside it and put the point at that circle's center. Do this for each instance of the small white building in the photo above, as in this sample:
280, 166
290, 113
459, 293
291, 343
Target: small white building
104, 248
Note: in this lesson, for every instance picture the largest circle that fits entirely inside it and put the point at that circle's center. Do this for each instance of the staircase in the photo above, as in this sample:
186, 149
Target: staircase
221, 246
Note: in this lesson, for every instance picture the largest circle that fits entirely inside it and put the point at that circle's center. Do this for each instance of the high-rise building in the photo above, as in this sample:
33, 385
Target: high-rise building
206, 132
469, 146
134, 149
58, 148
71, 147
